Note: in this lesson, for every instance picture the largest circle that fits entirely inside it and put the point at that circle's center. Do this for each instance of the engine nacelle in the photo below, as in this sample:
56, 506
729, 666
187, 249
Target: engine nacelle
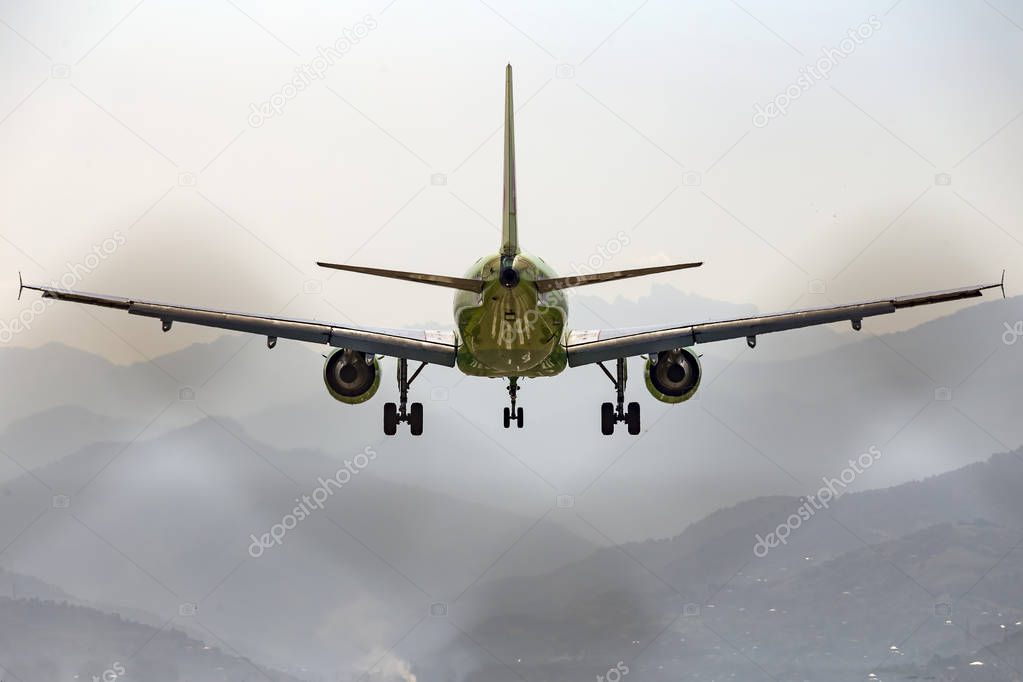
672, 376
351, 376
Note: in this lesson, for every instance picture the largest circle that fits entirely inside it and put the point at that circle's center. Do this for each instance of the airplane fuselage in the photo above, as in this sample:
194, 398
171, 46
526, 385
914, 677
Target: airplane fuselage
509, 329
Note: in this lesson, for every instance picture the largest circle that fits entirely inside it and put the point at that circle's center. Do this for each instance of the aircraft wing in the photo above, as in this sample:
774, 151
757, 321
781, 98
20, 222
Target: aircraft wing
434, 347
586, 347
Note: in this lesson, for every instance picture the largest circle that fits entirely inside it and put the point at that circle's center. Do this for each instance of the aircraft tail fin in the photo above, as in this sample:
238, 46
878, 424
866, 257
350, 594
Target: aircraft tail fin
509, 221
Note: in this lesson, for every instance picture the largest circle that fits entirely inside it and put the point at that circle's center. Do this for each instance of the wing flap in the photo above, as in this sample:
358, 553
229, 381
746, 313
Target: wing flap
437, 348
598, 345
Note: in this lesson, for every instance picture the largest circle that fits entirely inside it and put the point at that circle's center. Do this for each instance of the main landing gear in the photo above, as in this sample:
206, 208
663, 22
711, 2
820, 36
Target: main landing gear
513, 414
395, 414
611, 414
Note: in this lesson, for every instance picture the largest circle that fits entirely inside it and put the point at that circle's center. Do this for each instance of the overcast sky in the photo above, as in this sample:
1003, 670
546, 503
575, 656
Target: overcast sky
134, 122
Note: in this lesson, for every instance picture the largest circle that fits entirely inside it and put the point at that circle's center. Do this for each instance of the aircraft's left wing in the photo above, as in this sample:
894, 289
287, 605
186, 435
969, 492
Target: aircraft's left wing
435, 347
585, 347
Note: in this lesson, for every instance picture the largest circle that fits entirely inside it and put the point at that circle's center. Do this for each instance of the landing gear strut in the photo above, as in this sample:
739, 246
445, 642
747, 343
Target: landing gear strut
396, 414
611, 414
513, 414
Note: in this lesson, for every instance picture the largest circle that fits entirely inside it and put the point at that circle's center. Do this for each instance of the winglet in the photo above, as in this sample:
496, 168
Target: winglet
21, 285
1002, 283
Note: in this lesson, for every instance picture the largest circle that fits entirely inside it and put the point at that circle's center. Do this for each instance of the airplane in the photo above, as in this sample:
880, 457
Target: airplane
511, 317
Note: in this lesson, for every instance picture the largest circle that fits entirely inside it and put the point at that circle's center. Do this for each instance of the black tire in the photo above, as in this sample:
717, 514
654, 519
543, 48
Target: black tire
507, 417
632, 419
607, 419
415, 419
518, 417
390, 419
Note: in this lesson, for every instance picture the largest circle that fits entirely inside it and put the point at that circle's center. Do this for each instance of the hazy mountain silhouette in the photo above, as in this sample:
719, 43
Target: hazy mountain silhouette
172, 465
776, 420
172, 517
829, 603
45, 641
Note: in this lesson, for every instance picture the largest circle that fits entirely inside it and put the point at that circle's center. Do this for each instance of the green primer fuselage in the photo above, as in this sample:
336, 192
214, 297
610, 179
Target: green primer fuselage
511, 331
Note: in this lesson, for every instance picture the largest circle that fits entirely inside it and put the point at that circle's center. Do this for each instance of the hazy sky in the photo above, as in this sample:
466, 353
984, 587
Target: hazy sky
134, 122
162, 150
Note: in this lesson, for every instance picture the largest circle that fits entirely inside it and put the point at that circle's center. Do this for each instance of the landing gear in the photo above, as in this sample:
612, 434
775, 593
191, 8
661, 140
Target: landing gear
513, 414
403, 412
612, 413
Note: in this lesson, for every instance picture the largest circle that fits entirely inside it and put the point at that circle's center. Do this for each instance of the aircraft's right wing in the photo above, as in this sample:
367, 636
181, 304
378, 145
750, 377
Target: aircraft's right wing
585, 347
435, 347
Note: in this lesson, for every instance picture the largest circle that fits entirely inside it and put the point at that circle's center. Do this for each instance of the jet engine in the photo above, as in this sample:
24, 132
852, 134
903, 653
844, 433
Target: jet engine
351, 376
672, 376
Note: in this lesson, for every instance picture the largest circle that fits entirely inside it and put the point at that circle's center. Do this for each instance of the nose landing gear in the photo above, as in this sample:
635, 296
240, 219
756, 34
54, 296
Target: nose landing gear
612, 413
513, 414
396, 414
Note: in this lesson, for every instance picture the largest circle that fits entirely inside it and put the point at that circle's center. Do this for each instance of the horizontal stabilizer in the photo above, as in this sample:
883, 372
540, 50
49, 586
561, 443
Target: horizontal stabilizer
579, 280
437, 280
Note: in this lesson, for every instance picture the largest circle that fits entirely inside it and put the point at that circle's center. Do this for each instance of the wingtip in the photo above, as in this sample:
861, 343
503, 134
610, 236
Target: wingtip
21, 285
1002, 283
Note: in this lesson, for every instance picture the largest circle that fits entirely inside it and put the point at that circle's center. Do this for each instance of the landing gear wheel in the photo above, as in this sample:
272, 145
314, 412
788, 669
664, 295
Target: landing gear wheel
612, 413
513, 414
390, 419
607, 419
396, 414
415, 419
632, 419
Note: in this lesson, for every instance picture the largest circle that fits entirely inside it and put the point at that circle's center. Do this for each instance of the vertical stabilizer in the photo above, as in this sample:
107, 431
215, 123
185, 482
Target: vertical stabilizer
509, 222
